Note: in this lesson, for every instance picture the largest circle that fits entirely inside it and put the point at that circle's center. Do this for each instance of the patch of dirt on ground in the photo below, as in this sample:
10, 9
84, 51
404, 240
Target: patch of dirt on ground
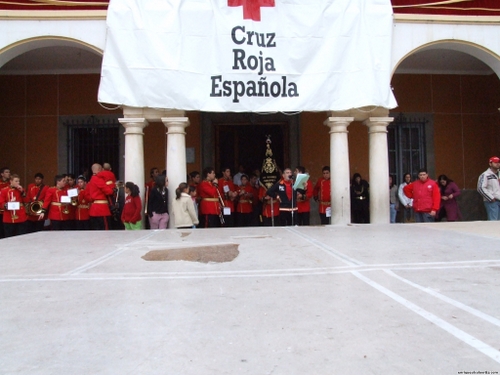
203, 254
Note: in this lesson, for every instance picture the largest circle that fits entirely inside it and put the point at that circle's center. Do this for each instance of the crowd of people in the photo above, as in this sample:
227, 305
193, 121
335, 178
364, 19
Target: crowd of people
205, 201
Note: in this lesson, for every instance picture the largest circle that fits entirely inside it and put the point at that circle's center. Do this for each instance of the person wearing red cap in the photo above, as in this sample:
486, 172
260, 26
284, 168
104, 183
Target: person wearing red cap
426, 197
489, 188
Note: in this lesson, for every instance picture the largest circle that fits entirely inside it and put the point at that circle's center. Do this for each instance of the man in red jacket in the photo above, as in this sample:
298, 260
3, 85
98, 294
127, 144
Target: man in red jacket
99, 190
426, 197
210, 204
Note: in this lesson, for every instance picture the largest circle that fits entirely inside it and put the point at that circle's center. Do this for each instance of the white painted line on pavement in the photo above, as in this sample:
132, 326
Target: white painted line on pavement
458, 333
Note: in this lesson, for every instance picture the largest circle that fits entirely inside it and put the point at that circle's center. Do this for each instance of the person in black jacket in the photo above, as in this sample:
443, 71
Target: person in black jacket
287, 196
158, 203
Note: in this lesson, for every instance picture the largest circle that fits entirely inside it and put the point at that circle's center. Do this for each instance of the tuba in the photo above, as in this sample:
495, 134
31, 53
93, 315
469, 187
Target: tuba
35, 208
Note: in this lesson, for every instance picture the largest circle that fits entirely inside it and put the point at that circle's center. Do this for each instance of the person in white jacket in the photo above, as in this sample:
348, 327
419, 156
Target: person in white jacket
406, 202
489, 188
183, 208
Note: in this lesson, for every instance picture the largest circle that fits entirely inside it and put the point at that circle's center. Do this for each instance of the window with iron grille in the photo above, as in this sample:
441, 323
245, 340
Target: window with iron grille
406, 143
90, 140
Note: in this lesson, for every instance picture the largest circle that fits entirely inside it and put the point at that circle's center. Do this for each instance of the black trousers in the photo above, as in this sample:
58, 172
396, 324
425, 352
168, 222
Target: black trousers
244, 220
288, 218
303, 218
83, 225
35, 226
99, 222
60, 224
15, 229
209, 221
324, 219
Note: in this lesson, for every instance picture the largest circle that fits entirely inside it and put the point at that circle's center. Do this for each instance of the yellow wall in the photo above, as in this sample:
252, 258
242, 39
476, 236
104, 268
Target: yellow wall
465, 117
464, 111
30, 107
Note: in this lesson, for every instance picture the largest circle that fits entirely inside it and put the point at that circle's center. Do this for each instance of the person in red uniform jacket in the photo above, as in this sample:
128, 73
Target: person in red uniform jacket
245, 202
227, 190
210, 206
108, 174
131, 214
304, 200
153, 172
270, 208
14, 218
322, 194
36, 193
57, 204
72, 185
82, 215
426, 197
100, 191
4, 182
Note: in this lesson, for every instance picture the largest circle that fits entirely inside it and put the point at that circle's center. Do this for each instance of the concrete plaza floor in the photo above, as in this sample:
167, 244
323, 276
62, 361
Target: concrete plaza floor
372, 299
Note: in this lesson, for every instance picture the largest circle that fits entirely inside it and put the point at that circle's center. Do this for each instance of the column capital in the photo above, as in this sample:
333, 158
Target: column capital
176, 125
338, 124
133, 125
378, 124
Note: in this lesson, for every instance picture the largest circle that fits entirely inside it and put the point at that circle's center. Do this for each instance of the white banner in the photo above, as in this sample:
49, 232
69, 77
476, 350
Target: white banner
248, 55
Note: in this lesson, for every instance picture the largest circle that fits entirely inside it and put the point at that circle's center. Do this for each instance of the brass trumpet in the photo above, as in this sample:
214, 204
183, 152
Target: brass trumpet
65, 209
35, 208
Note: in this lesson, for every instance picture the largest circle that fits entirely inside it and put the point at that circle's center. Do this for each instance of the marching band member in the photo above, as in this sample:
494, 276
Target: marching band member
304, 200
71, 184
270, 208
227, 190
153, 173
4, 182
210, 203
57, 204
36, 196
322, 193
100, 191
82, 209
12, 199
245, 206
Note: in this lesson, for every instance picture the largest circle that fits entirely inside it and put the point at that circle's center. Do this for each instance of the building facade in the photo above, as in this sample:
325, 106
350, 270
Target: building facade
445, 69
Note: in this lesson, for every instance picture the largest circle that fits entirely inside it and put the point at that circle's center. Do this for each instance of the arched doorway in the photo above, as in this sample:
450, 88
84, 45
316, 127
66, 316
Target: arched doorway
452, 88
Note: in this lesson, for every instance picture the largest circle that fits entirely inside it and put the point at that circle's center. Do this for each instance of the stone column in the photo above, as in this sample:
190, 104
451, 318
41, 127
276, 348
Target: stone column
176, 155
339, 166
379, 169
134, 151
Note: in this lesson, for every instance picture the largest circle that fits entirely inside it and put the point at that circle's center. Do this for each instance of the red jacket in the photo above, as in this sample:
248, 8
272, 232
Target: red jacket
132, 209
52, 204
31, 196
99, 191
426, 195
228, 201
13, 195
322, 193
245, 205
267, 210
304, 204
209, 204
82, 210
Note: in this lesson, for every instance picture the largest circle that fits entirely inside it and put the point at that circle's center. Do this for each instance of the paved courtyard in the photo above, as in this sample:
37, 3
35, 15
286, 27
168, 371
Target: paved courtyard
372, 299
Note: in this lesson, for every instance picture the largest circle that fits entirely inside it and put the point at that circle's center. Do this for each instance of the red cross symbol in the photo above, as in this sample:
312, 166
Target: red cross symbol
251, 8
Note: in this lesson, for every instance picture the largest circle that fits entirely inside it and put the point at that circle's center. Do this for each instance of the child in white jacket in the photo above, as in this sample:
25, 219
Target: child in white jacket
183, 208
